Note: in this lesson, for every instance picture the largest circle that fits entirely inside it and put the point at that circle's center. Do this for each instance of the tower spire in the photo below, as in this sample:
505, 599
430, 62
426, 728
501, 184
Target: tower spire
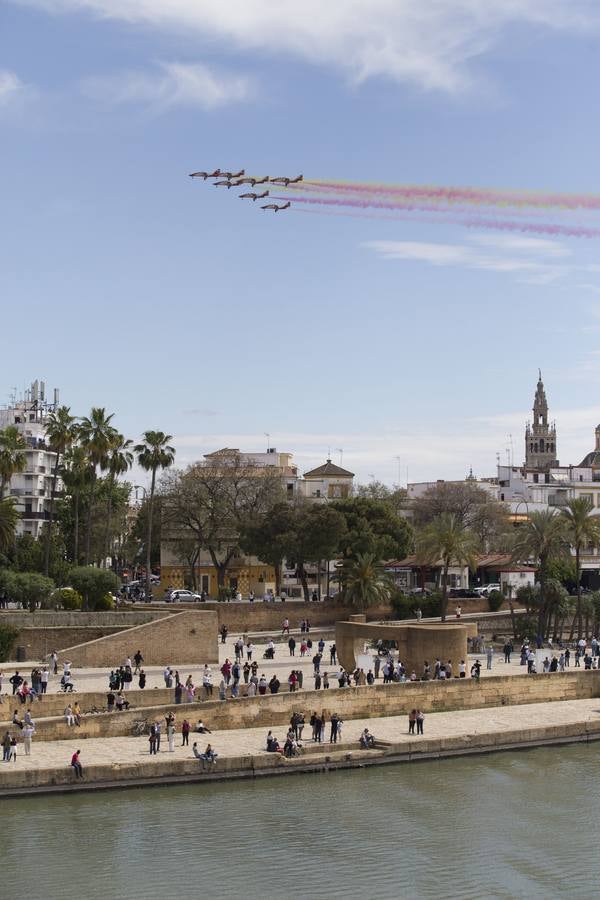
540, 436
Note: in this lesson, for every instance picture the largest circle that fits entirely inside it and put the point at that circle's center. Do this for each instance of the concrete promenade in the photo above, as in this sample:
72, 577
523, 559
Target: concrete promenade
126, 761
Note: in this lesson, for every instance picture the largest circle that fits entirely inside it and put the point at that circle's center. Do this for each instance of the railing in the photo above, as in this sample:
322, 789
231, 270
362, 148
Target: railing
558, 499
35, 515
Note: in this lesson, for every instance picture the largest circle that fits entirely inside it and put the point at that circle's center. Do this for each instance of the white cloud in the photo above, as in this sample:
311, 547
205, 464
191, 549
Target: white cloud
173, 84
430, 43
11, 87
543, 246
530, 270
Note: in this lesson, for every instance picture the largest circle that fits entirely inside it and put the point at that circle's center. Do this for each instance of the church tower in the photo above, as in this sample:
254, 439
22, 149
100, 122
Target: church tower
540, 437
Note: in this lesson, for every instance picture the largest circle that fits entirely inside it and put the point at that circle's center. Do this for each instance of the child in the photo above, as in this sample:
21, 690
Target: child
13, 749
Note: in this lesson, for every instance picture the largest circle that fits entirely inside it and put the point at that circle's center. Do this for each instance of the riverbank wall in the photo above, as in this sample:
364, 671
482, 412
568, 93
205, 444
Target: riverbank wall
315, 759
376, 701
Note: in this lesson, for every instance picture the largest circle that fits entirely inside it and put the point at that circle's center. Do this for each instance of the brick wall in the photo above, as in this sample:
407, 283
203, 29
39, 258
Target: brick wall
187, 637
39, 642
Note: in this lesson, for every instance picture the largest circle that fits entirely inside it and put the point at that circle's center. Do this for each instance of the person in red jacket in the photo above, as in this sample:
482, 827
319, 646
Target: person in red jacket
185, 733
76, 765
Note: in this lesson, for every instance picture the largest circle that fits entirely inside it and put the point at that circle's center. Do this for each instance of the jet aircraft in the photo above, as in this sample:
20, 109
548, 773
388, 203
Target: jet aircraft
253, 196
276, 208
284, 180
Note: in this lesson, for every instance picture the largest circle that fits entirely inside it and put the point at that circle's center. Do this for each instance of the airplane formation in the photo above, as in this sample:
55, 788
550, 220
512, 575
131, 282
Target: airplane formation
237, 179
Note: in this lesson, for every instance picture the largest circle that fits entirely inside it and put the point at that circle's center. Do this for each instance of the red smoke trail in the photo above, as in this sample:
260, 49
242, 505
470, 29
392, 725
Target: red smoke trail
451, 196
545, 228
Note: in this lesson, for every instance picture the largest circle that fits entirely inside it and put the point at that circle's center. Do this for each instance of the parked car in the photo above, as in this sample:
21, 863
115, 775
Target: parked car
464, 594
486, 589
183, 596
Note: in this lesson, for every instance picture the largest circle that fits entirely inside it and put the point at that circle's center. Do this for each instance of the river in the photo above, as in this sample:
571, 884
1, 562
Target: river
506, 825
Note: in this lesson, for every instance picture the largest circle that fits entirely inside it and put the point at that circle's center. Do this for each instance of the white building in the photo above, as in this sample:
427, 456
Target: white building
32, 488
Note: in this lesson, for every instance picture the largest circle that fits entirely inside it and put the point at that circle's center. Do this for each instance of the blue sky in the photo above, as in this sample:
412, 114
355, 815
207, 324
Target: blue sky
179, 307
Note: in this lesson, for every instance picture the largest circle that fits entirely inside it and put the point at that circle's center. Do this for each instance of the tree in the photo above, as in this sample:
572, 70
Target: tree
364, 582
93, 584
96, 436
270, 537
395, 497
75, 474
27, 588
373, 527
60, 435
9, 517
302, 534
120, 460
445, 539
214, 502
471, 505
541, 539
581, 528
12, 455
153, 454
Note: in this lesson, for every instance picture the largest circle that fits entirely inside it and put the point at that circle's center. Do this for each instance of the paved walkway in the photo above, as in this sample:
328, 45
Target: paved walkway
251, 741
95, 679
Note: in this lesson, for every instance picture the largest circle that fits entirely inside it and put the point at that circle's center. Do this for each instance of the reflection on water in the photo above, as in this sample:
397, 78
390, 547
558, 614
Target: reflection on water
496, 826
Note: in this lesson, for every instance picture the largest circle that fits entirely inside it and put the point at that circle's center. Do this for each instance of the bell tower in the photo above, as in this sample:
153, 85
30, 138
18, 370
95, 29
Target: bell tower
540, 437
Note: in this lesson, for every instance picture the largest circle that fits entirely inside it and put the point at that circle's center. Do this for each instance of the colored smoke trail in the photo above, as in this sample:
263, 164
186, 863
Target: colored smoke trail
545, 228
449, 196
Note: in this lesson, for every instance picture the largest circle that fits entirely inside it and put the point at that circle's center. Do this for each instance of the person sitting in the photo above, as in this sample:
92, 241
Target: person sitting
367, 741
273, 744
270, 651
291, 747
209, 755
69, 717
201, 728
77, 714
15, 719
120, 702
66, 684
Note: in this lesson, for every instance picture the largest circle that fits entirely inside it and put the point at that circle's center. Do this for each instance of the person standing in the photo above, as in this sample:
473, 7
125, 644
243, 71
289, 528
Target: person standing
489, 655
54, 662
138, 660
412, 721
333, 736
292, 645
420, 720
157, 731
44, 678
333, 655
28, 731
6, 747
142, 680
285, 627
171, 734
152, 739
76, 764
185, 733
16, 680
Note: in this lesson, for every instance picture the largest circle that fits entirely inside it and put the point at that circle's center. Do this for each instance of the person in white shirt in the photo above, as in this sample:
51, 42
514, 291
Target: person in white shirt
69, 717
28, 732
66, 667
44, 677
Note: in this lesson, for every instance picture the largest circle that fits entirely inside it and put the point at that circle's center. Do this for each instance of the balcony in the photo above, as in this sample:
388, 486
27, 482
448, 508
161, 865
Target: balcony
29, 516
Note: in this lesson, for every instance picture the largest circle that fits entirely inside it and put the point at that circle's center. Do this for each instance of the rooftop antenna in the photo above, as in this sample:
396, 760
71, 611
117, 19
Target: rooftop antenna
268, 437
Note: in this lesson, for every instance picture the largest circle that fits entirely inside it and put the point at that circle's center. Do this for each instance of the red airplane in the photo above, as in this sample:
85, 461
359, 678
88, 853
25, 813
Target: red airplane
274, 206
256, 181
284, 180
254, 196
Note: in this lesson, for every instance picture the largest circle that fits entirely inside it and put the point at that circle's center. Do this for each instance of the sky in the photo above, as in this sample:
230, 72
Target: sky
401, 348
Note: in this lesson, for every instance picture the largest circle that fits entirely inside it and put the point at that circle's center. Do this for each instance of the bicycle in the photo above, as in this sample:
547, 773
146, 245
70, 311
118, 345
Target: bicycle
140, 727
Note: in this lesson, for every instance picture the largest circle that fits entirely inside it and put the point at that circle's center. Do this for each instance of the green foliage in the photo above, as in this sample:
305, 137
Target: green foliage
404, 605
448, 542
65, 598
27, 588
105, 603
93, 584
364, 582
563, 569
495, 600
8, 522
8, 635
373, 527
472, 507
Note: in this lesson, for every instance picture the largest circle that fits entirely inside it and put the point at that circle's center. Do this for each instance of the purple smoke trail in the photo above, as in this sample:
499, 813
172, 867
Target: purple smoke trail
545, 228
451, 196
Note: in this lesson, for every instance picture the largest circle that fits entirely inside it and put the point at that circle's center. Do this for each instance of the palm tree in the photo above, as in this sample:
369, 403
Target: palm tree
9, 517
582, 527
120, 460
447, 540
364, 581
153, 454
75, 474
12, 455
96, 436
541, 539
60, 434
